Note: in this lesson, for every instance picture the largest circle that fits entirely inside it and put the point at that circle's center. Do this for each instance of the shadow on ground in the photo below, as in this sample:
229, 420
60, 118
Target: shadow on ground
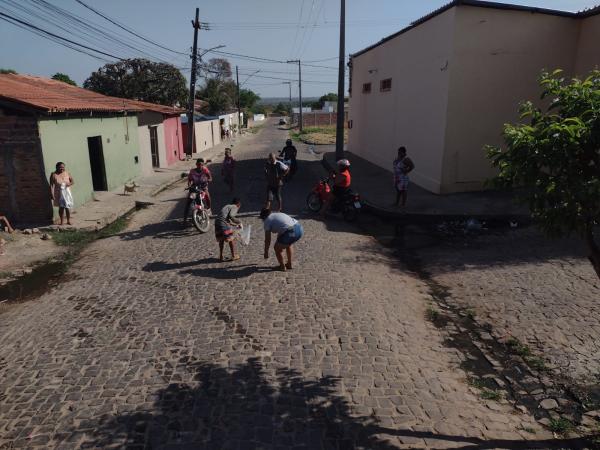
243, 407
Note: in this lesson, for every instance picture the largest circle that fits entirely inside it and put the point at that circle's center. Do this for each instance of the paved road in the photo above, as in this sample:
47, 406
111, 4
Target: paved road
152, 343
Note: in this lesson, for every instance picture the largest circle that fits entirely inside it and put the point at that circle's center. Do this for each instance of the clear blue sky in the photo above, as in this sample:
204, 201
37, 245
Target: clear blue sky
274, 29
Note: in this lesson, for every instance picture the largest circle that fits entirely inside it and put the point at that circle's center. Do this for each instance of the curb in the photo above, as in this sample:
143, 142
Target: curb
415, 218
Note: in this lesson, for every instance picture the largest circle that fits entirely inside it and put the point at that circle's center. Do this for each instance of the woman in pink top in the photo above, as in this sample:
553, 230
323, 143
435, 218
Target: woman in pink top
60, 181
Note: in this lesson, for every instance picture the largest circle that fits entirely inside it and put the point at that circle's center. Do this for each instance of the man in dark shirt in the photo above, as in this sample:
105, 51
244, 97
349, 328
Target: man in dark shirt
275, 171
289, 154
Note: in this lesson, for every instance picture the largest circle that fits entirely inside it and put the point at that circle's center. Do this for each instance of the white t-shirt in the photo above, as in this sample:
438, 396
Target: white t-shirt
279, 223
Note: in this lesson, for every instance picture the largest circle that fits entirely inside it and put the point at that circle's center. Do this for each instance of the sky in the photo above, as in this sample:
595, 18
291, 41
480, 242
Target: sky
278, 30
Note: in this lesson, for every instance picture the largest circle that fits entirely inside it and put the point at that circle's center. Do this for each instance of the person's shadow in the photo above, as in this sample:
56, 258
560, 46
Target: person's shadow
227, 272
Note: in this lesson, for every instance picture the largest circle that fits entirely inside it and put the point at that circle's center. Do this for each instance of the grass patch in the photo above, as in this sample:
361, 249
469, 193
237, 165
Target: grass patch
78, 239
5, 274
470, 313
432, 314
255, 129
317, 135
517, 347
486, 392
561, 426
528, 430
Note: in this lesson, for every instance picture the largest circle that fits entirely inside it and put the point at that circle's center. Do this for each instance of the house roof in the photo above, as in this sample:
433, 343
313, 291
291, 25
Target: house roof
51, 96
167, 110
482, 4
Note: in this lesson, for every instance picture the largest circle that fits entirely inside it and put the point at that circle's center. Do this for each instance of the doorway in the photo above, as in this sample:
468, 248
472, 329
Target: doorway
97, 163
154, 146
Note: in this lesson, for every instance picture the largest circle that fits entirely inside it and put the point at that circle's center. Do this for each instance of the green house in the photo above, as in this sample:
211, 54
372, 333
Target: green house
45, 121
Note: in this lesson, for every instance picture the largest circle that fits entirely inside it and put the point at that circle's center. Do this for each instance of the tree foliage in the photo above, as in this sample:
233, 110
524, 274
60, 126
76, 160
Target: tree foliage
7, 71
282, 108
220, 95
140, 79
64, 78
248, 99
330, 97
216, 68
555, 157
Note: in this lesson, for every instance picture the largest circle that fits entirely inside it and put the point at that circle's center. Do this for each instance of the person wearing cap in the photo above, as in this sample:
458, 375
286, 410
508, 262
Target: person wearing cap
288, 230
290, 153
199, 176
341, 183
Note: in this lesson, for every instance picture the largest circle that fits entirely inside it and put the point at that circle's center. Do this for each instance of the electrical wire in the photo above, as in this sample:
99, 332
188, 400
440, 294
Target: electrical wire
128, 30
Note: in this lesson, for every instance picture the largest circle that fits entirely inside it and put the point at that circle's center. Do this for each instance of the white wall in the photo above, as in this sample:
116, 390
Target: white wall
498, 57
413, 113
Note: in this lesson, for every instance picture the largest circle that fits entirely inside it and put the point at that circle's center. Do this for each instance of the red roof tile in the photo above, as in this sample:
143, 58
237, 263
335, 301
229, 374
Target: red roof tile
167, 110
55, 96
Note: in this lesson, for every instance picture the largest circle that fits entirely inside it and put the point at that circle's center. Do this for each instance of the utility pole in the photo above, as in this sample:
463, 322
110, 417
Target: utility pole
196, 25
237, 77
289, 83
299, 88
339, 132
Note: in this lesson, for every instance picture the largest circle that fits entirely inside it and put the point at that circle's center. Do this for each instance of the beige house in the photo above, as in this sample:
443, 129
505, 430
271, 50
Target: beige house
444, 86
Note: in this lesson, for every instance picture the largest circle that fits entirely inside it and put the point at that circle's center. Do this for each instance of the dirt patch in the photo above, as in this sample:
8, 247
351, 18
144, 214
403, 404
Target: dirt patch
22, 251
318, 135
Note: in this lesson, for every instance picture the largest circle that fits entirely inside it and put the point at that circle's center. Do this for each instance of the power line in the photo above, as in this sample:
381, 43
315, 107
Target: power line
297, 28
29, 25
128, 30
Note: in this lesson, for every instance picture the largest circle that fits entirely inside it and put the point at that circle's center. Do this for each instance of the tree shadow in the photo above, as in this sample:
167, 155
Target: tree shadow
167, 229
258, 406
161, 266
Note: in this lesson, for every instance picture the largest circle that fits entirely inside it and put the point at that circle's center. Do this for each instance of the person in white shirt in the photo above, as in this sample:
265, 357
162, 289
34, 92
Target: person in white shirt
288, 231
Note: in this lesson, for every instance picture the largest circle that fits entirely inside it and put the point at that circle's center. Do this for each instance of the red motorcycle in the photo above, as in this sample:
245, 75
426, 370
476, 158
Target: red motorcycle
349, 205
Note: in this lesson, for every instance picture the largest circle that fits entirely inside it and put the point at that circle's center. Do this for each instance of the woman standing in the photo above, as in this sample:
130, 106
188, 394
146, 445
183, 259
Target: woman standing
60, 192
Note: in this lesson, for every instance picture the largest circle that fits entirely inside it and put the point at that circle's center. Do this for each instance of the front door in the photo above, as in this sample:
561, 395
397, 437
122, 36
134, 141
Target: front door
154, 146
97, 163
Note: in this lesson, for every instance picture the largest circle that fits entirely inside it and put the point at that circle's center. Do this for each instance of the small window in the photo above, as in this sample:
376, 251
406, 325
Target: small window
385, 85
366, 88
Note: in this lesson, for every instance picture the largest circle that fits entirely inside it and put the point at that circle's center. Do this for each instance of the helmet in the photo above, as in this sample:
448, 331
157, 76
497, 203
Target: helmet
343, 163
288, 142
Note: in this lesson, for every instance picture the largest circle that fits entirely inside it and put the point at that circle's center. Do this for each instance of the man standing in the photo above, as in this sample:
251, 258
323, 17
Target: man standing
275, 171
200, 176
288, 231
403, 165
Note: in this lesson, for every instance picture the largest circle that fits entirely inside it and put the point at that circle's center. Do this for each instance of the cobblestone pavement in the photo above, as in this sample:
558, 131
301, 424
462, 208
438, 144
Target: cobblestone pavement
540, 291
152, 343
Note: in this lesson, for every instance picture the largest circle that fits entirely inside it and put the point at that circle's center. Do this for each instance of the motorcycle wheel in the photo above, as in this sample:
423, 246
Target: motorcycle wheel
313, 202
201, 220
350, 213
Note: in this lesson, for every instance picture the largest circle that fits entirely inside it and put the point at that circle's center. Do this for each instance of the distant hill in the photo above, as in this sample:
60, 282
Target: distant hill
277, 100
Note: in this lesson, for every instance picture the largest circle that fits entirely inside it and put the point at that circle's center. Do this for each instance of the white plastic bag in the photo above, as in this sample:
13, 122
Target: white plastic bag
66, 199
245, 234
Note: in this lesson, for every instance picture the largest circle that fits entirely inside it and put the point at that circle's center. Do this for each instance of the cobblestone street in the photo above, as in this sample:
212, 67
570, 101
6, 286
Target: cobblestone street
151, 343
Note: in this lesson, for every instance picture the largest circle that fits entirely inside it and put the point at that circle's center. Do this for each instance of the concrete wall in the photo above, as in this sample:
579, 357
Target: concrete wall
497, 59
173, 140
65, 139
147, 119
413, 112
24, 188
203, 131
588, 53
146, 168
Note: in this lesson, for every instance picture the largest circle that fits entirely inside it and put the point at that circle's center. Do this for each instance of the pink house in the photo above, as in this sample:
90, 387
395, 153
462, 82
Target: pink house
160, 136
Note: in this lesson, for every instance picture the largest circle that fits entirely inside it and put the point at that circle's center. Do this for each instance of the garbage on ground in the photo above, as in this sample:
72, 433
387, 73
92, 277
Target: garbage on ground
245, 233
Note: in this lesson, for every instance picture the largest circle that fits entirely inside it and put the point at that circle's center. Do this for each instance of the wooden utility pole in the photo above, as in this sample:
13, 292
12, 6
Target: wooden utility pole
237, 77
299, 88
339, 132
190, 137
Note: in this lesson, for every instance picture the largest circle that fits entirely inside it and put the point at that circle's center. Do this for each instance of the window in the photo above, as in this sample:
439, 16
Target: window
366, 88
385, 85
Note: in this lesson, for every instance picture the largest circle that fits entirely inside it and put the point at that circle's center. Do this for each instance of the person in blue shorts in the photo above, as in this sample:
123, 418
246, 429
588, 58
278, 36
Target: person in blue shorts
288, 230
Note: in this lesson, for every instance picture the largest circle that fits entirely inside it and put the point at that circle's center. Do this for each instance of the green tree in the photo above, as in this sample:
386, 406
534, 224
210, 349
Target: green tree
331, 97
248, 99
282, 108
555, 157
215, 68
64, 78
221, 95
7, 71
140, 79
